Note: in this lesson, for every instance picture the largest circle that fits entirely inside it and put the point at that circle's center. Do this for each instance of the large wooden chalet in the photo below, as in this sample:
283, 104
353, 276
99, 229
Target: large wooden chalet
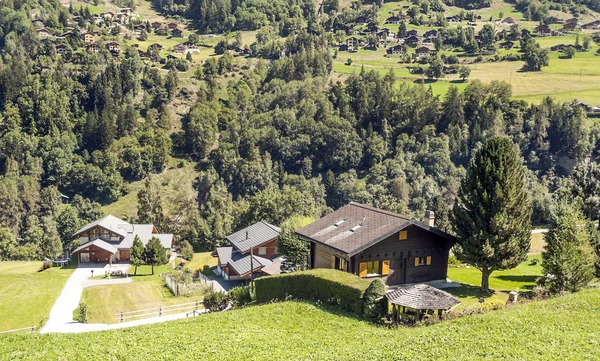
371, 242
252, 250
110, 239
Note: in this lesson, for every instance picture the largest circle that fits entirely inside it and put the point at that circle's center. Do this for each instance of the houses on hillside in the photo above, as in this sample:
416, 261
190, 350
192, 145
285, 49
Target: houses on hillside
109, 240
371, 242
249, 251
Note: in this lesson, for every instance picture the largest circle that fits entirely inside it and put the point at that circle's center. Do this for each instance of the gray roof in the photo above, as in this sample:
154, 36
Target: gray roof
355, 227
145, 232
242, 265
129, 231
257, 234
224, 254
109, 222
98, 243
422, 297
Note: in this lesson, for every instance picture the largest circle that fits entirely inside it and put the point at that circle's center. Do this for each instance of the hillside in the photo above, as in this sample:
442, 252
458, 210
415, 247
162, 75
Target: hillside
558, 329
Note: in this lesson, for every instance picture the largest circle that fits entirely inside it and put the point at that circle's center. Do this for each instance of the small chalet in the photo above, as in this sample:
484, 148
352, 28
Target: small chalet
180, 49
156, 25
43, 33
394, 20
452, 19
139, 28
383, 34
126, 11
509, 20
412, 33
172, 26
61, 49
371, 242
396, 50
252, 250
594, 25
156, 46
88, 37
110, 239
92, 48
507, 45
113, 46
431, 34
352, 42
412, 40
108, 15
554, 20
570, 26
176, 33
418, 301
543, 30
422, 52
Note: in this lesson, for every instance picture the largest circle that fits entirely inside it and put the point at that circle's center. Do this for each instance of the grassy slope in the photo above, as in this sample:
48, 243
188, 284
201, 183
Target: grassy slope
146, 291
565, 80
26, 295
559, 329
521, 278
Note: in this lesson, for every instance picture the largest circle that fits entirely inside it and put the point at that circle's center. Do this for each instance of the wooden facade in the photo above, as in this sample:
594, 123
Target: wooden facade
94, 254
409, 256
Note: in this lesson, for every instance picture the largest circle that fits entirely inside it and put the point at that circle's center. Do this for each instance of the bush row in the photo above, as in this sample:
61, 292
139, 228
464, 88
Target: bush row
326, 285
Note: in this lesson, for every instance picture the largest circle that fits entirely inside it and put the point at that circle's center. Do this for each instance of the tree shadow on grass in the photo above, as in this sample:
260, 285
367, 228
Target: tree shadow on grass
469, 291
457, 81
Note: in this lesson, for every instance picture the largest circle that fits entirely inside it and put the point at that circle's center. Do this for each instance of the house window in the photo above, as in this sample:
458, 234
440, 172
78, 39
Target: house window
262, 250
403, 235
373, 268
422, 261
339, 263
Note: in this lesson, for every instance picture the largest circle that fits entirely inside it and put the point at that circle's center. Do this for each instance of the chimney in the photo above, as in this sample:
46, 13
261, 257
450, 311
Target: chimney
429, 218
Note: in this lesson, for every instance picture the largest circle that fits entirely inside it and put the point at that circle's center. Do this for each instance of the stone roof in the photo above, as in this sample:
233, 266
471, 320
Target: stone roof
422, 297
109, 222
242, 265
253, 236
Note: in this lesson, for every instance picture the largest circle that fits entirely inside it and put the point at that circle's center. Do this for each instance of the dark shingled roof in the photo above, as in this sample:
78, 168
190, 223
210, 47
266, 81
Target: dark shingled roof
355, 227
422, 297
258, 233
242, 265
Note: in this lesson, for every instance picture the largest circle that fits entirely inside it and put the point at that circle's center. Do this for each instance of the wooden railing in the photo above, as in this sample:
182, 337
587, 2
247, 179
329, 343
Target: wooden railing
192, 308
30, 329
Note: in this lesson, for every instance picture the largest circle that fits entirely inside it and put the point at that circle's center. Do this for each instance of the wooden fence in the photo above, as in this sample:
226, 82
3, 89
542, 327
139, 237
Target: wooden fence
190, 308
30, 329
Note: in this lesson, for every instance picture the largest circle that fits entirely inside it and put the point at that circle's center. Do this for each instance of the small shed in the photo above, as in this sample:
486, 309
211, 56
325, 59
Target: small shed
417, 301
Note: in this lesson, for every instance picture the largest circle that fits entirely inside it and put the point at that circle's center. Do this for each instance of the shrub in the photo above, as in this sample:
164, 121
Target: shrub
240, 296
83, 312
187, 252
327, 285
46, 265
375, 305
215, 301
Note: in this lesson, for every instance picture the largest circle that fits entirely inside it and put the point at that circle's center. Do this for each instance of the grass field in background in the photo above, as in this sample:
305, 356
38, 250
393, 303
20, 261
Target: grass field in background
26, 295
564, 328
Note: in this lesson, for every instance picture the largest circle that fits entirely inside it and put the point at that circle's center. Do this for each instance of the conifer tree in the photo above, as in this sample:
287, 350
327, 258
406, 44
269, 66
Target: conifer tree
137, 253
568, 257
492, 212
155, 253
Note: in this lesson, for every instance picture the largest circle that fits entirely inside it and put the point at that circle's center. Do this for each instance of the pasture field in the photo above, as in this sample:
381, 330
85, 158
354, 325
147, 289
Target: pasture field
26, 295
563, 328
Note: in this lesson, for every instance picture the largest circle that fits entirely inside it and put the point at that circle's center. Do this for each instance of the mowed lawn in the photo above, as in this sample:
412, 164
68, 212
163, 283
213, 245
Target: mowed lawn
145, 292
26, 295
522, 279
563, 328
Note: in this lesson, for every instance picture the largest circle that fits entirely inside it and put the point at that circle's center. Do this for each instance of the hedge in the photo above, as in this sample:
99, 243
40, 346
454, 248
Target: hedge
326, 285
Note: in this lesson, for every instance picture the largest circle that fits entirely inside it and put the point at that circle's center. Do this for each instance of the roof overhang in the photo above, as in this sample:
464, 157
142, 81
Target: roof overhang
98, 243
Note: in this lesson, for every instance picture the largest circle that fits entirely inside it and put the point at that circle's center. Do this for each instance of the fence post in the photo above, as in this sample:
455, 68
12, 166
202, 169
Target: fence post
121, 316
196, 307
32, 329
160, 311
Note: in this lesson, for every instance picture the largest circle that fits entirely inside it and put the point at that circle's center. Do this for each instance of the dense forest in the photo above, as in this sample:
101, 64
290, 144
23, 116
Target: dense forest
279, 140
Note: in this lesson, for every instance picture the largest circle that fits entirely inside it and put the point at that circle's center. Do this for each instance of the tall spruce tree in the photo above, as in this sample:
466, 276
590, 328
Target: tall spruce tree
568, 257
492, 212
155, 253
138, 253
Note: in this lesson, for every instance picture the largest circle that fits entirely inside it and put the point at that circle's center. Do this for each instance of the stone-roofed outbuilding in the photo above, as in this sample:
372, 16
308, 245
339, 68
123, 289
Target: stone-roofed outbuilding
418, 300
